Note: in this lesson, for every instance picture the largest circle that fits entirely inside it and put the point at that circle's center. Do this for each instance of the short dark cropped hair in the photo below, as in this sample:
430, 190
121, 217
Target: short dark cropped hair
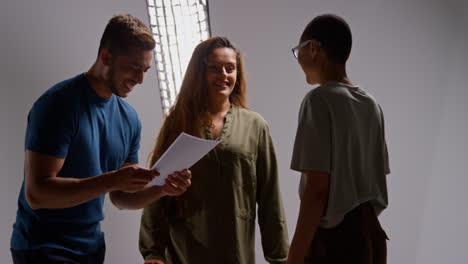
333, 33
124, 32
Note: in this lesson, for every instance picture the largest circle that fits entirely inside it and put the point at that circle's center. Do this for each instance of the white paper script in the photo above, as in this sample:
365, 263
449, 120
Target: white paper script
185, 151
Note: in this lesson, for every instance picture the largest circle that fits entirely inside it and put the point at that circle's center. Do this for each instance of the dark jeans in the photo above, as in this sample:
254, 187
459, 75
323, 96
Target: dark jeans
56, 256
358, 239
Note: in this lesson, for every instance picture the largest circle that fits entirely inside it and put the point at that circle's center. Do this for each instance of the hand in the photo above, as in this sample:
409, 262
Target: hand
154, 261
177, 183
132, 178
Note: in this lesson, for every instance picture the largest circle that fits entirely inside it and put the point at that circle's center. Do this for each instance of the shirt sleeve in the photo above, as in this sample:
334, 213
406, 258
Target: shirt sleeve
154, 231
384, 144
51, 126
133, 153
312, 146
271, 217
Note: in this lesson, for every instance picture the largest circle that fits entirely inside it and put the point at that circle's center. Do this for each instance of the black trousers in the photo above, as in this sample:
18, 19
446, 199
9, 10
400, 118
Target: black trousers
358, 239
56, 256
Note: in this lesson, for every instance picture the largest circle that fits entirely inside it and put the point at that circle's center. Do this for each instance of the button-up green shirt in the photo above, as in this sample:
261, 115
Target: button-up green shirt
214, 221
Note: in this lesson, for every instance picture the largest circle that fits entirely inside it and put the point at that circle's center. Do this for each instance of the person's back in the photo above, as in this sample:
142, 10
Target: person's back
357, 150
341, 151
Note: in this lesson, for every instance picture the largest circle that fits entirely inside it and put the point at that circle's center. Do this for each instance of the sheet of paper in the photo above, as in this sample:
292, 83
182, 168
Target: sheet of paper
185, 151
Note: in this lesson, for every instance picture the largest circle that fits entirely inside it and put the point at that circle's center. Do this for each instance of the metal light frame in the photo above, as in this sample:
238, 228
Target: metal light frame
177, 26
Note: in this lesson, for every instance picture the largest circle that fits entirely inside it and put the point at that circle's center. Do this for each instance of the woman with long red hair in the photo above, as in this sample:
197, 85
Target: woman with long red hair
214, 220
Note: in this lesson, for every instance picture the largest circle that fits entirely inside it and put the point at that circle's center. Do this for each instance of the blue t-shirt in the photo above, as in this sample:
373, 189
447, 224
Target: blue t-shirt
94, 135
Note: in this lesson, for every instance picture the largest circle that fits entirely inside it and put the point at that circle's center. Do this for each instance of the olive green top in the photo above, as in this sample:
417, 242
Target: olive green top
214, 221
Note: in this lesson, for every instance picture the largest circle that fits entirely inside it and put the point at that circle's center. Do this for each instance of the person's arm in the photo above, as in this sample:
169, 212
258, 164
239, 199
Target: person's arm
154, 231
43, 189
271, 217
176, 184
313, 204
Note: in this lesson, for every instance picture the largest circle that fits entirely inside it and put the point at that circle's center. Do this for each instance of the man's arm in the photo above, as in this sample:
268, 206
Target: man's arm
313, 204
176, 184
43, 189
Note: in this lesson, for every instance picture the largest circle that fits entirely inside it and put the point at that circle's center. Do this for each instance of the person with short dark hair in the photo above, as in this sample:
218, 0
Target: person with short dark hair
82, 141
340, 150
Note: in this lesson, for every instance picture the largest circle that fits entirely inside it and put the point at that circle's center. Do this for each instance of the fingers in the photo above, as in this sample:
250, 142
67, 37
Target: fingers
171, 189
183, 176
136, 171
140, 180
178, 182
151, 173
186, 174
181, 179
135, 178
142, 174
154, 172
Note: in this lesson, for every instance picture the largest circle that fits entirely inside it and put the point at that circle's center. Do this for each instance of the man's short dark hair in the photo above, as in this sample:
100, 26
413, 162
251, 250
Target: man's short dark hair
333, 33
124, 32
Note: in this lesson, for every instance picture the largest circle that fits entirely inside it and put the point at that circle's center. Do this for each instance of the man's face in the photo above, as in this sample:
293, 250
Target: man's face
221, 73
126, 71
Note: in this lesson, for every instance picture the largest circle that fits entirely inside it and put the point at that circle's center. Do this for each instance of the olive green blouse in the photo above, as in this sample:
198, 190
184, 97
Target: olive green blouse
214, 220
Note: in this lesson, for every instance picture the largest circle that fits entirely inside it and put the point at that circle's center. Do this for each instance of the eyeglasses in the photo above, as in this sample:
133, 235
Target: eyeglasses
295, 50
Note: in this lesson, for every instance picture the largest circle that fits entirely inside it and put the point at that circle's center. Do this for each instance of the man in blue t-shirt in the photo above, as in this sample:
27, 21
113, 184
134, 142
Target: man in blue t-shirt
82, 141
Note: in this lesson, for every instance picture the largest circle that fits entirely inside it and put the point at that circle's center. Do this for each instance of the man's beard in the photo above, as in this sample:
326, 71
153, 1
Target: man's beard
111, 81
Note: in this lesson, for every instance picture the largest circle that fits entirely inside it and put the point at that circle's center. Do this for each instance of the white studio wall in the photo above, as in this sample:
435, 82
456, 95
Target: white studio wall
409, 54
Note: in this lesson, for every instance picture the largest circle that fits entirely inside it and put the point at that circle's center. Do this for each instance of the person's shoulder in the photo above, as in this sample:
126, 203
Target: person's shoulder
68, 86
371, 101
128, 109
251, 116
329, 90
125, 105
362, 94
62, 94
317, 95
367, 94
332, 91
